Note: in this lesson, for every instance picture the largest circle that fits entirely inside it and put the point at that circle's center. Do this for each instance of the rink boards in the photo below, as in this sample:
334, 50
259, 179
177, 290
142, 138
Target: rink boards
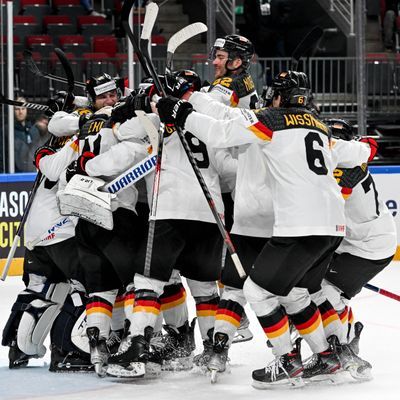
14, 192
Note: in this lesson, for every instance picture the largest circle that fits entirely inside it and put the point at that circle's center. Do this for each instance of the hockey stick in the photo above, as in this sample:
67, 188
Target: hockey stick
309, 41
151, 13
383, 292
36, 71
67, 68
14, 103
180, 37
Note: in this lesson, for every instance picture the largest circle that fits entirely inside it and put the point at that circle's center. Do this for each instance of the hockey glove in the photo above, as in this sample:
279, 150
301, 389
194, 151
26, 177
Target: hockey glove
62, 101
41, 152
78, 166
176, 86
373, 146
174, 111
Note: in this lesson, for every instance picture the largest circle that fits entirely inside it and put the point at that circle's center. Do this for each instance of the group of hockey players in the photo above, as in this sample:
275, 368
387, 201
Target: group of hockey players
309, 227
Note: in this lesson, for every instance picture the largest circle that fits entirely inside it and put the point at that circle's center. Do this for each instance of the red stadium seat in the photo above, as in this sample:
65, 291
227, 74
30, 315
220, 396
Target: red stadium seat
377, 57
56, 19
68, 39
105, 44
16, 39
57, 3
38, 39
24, 3
90, 20
158, 39
24, 19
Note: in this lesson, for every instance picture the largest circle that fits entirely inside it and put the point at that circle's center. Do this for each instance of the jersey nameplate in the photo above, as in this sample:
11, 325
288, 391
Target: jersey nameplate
304, 120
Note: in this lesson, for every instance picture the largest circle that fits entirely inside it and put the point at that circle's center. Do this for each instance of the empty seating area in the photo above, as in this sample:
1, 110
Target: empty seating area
89, 41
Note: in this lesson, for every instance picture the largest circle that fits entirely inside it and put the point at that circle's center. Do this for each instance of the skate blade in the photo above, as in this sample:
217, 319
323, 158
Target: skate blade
243, 335
100, 369
214, 374
135, 370
359, 373
335, 378
291, 383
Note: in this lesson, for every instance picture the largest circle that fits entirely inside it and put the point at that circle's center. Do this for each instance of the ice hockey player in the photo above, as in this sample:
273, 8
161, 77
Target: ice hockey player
54, 298
107, 255
367, 248
186, 238
296, 149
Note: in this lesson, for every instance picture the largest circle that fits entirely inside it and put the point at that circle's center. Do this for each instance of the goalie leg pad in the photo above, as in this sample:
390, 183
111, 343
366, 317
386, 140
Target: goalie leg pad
38, 318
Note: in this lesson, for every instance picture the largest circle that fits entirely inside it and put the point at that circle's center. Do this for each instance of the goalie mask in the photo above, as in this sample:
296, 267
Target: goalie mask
341, 129
293, 87
103, 83
237, 47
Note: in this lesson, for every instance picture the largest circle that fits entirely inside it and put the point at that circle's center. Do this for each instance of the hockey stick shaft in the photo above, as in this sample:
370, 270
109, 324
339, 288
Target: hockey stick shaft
36, 71
17, 237
309, 41
383, 292
14, 103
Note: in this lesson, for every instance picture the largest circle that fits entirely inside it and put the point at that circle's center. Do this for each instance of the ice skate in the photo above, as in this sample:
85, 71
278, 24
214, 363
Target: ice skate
323, 366
355, 342
114, 340
358, 368
219, 358
72, 361
175, 348
243, 333
285, 371
201, 360
17, 358
98, 351
131, 358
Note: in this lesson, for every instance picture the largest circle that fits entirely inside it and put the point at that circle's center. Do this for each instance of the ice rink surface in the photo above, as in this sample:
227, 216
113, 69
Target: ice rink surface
380, 344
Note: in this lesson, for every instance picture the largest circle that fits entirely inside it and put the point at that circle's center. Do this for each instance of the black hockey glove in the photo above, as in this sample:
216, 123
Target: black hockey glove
176, 86
174, 111
41, 152
78, 166
62, 101
123, 110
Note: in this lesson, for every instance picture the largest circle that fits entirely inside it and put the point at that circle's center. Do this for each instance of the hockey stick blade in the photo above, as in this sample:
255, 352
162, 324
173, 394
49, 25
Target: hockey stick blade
180, 37
67, 68
309, 41
150, 129
149, 21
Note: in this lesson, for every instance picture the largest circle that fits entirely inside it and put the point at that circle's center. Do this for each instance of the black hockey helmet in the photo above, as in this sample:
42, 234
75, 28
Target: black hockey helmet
191, 77
341, 128
104, 83
236, 46
293, 87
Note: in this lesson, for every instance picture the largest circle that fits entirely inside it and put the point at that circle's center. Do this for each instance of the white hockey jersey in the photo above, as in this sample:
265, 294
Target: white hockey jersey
370, 227
45, 225
253, 209
296, 147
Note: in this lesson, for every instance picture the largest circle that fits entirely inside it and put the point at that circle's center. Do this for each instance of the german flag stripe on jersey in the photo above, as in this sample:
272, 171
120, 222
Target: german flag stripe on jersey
148, 306
99, 305
129, 299
234, 99
206, 309
119, 301
277, 329
173, 301
351, 316
310, 325
346, 192
227, 315
329, 317
344, 315
261, 131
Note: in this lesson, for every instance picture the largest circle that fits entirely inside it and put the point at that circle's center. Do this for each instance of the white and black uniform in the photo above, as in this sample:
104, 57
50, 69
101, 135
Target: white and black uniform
371, 239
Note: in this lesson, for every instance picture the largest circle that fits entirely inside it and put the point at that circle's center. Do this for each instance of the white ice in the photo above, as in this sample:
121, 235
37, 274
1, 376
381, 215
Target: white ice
380, 344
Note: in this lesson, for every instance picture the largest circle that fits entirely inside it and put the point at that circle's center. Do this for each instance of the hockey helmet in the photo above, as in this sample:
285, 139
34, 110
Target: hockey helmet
236, 46
191, 77
97, 85
293, 87
341, 128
